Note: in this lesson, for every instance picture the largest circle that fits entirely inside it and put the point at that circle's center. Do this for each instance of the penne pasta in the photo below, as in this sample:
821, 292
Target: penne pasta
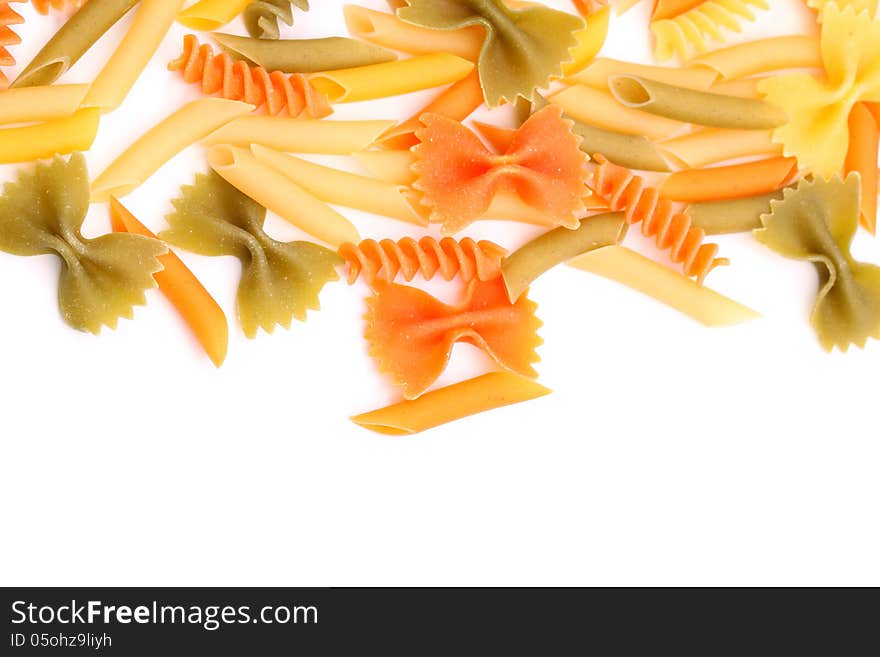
391, 78
642, 274
208, 15
713, 145
390, 166
596, 75
150, 25
347, 189
861, 157
742, 87
300, 135
438, 407
761, 56
183, 128
31, 104
275, 191
58, 136
736, 181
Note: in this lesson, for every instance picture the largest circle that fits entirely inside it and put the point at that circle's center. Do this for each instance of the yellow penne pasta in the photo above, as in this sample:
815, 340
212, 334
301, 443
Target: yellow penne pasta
208, 15
32, 104
629, 268
281, 195
66, 135
186, 126
150, 25
713, 145
390, 166
598, 107
300, 135
389, 31
596, 74
454, 402
761, 56
391, 78
346, 189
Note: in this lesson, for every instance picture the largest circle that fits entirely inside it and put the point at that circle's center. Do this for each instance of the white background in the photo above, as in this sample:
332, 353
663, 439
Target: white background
668, 453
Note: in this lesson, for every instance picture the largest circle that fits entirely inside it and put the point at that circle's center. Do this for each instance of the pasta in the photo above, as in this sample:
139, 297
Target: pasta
43, 6
760, 56
403, 76
183, 290
738, 180
40, 103
71, 41
598, 73
739, 215
101, 279
280, 281
624, 191
390, 166
8, 16
183, 128
208, 15
697, 107
523, 48
862, 158
524, 266
629, 268
459, 177
261, 17
689, 32
150, 25
451, 403
712, 145
236, 80
304, 55
282, 196
410, 334
816, 222
383, 261
343, 188
300, 135
58, 136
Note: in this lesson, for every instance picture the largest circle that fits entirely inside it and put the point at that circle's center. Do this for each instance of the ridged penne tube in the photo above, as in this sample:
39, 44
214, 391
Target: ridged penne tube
526, 264
186, 126
343, 188
389, 31
275, 191
391, 78
740, 215
151, 23
31, 104
300, 135
596, 75
735, 181
740, 87
390, 166
599, 108
304, 55
631, 151
697, 107
761, 56
438, 407
713, 145
208, 15
642, 274
58, 136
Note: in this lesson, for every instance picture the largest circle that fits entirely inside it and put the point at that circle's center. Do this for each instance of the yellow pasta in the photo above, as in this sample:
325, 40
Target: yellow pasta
390, 166
742, 87
32, 104
143, 158
712, 145
597, 107
454, 402
281, 195
596, 74
346, 189
761, 56
629, 268
150, 25
59, 136
391, 78
589, 42
208, 15
300, 135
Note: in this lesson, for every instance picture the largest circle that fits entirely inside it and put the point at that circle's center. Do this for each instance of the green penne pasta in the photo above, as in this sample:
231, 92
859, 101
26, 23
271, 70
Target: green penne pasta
697, 107
72, 41
304, 55
522, 267
734, 216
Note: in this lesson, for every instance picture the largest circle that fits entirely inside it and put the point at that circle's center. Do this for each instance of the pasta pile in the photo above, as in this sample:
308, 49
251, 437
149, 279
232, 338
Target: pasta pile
776, 137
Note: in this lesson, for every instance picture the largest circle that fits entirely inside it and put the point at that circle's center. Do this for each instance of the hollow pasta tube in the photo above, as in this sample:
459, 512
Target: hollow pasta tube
59, 136
862, 158
208, 15
761, 56
735, 181
713, 145
32, 104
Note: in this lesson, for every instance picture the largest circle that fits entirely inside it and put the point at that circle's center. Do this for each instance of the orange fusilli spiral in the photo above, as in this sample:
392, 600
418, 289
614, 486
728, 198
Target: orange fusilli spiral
43, 6
622, 190
449, 257
7, 37
236, 80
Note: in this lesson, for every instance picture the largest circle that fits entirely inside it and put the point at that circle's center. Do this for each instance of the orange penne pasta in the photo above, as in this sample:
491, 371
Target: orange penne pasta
183, 290
862, 158
672, 8
458, 102
736, 181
